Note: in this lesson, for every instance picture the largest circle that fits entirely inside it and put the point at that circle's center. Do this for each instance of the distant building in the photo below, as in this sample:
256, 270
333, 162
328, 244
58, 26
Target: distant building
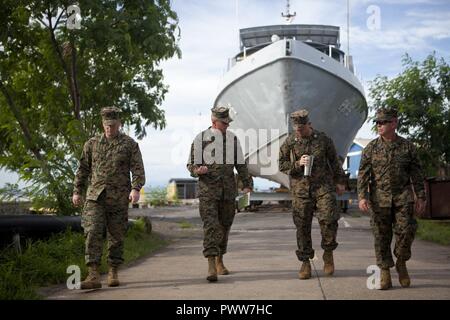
351, 163
182, 189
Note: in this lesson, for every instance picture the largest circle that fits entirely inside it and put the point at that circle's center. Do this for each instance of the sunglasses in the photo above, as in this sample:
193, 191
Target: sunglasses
382, 122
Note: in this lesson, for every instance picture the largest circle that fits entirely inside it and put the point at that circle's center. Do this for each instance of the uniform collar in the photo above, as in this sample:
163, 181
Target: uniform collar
389, 143
213, 131
313, 135
112, 141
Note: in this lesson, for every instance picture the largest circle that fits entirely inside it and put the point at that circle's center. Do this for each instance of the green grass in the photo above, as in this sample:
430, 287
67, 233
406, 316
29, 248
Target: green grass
434, 230
44, 263
185, 225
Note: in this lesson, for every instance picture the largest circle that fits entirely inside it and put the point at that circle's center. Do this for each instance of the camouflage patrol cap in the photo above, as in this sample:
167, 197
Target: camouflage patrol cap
222, 114
300, 116
386, 114
110, 115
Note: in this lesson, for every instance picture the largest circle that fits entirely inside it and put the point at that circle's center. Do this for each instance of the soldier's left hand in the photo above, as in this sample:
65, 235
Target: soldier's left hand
134, 196
247, 190
76, 200
420, 206
340, 189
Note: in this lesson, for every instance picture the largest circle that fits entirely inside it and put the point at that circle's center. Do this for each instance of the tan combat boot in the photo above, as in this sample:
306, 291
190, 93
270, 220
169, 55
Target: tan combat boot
328, 266
305, 270
385, 281
212, 271
403, 275
221, 269
92, 280
113, 278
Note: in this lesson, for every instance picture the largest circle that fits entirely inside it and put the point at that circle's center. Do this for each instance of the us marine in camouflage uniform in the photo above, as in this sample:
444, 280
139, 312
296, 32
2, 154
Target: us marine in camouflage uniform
314, 193
215, 153
388, 173
104, 170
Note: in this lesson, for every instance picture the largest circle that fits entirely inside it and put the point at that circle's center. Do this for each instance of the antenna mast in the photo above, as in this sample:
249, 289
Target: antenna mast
237, 24
288, 16
348, 27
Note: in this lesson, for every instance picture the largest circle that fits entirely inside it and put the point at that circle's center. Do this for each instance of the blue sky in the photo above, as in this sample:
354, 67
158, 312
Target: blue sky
209, 36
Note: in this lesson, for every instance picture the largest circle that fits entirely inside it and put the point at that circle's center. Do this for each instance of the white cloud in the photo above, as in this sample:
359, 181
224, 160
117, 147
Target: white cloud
388, 39
441, 16
7, 177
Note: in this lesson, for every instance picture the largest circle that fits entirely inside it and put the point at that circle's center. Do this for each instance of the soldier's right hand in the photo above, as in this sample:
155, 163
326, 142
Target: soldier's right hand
76, 200
364, 205
201, 170
420, 206
304, 160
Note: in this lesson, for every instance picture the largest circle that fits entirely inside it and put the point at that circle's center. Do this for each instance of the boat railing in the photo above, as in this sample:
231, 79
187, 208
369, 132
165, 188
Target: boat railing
329, 50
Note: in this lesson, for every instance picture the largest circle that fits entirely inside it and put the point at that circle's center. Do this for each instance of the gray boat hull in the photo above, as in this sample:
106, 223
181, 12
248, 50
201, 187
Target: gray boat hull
282, 82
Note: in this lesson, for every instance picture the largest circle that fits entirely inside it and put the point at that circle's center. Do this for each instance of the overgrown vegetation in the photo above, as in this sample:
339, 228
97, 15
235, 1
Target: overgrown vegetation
437, 231
157, 196
44, 263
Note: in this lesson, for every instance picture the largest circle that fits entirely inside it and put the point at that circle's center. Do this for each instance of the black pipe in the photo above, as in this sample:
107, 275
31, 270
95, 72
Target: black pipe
37, 226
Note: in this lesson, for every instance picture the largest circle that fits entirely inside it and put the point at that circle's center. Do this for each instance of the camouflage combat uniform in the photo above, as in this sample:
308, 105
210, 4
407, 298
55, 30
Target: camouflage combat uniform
387, 173
217, 188
315, 193
105, 169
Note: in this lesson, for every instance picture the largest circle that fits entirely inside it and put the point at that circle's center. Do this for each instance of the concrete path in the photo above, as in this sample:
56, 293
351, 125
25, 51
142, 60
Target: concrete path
264, 266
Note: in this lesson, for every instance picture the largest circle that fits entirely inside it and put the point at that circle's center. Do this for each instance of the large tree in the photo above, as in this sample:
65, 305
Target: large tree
54, 79
421, 92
